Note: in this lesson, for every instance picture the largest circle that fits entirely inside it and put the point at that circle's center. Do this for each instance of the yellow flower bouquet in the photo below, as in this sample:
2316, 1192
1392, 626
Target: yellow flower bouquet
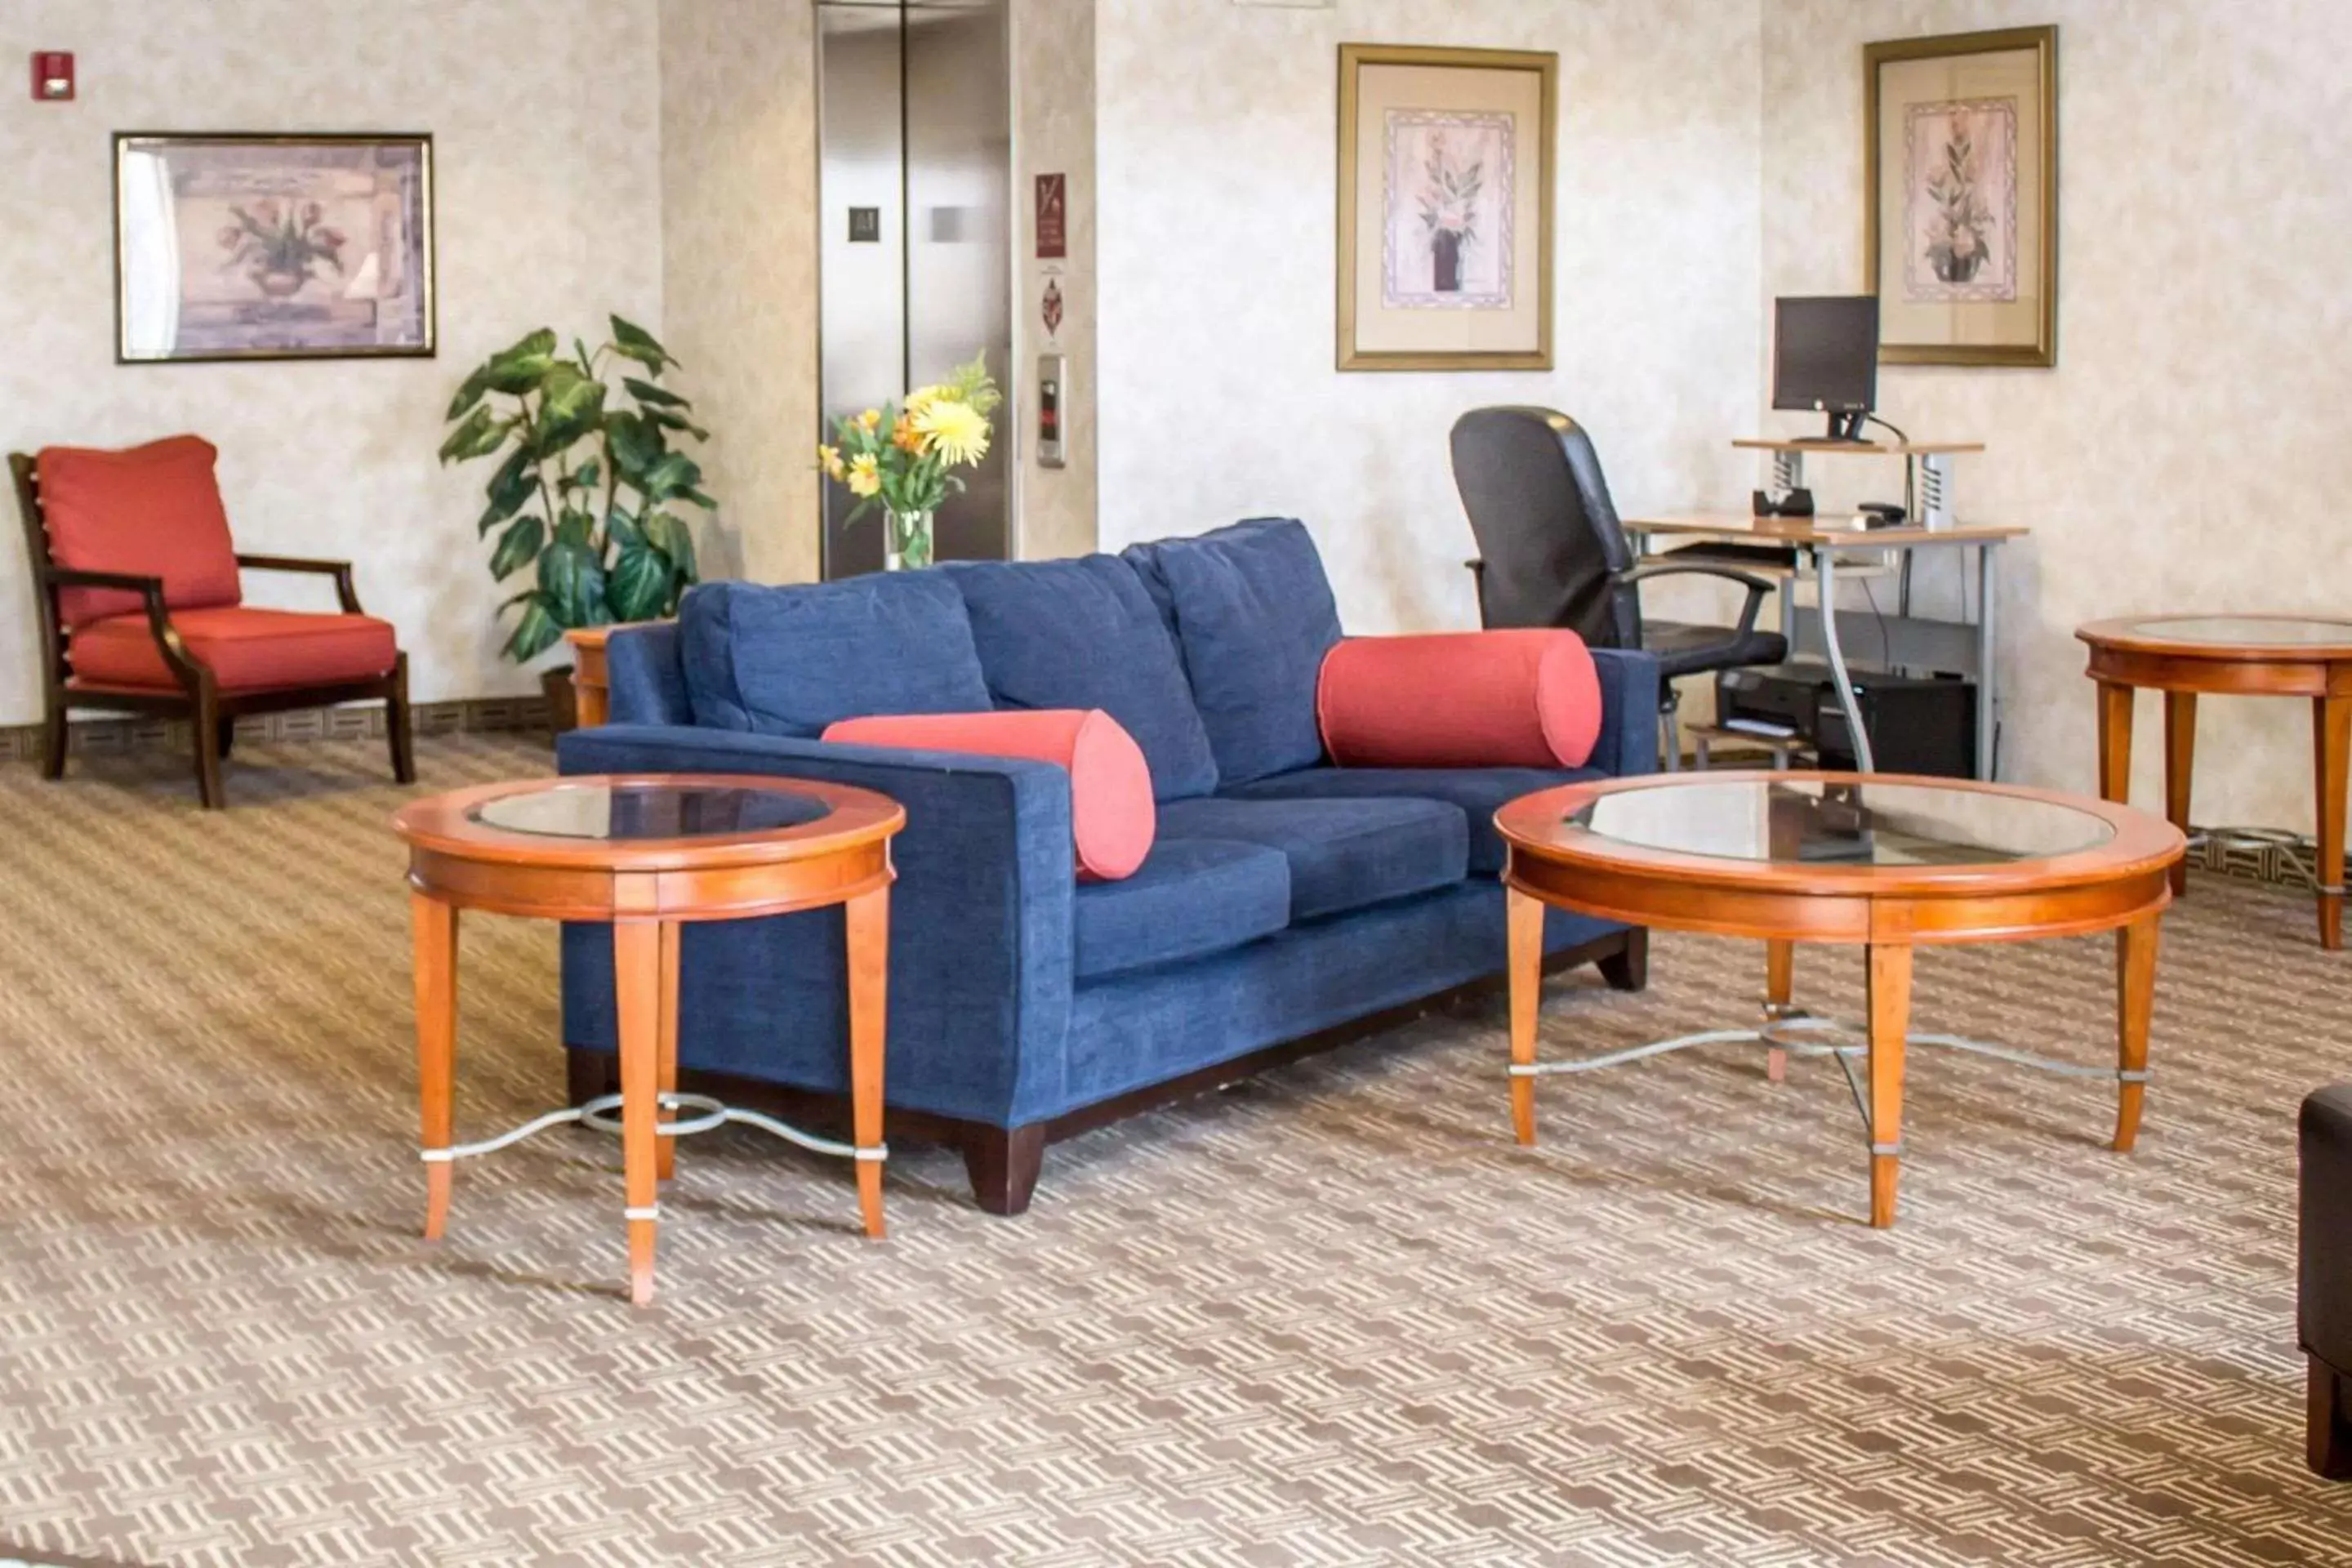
901, 458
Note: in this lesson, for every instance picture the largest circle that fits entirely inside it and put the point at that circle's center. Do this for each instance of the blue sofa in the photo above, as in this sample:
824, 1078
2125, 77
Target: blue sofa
1283, 901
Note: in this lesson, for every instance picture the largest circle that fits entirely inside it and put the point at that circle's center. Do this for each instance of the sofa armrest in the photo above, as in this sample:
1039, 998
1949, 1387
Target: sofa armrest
1628, 743
981, 929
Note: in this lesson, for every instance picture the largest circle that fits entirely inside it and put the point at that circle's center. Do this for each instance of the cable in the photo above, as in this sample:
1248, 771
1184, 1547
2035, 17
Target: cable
1885, 644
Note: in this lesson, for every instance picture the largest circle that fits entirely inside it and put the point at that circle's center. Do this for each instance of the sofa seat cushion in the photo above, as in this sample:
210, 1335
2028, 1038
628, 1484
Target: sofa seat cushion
791, 661
1189, 899
1084, 633
1254, 615
1343, 854
1478, 792
153, 510
247, 650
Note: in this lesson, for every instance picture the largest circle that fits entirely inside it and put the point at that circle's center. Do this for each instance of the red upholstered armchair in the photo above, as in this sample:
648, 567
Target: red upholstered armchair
140, 596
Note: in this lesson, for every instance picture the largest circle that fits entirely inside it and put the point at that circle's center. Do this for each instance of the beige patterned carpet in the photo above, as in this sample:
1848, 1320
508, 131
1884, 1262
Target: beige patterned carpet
1332, 1317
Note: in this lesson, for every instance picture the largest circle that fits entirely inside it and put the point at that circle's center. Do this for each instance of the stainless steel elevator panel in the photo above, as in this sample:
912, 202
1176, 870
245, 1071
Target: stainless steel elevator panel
915, 138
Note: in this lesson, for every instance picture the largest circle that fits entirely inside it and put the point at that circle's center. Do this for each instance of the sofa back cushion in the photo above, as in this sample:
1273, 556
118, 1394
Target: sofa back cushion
1084, 633
792, 660
153, 511
1254, 616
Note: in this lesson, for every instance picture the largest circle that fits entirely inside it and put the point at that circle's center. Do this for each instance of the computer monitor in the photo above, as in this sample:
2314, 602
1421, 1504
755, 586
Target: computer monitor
1825, 356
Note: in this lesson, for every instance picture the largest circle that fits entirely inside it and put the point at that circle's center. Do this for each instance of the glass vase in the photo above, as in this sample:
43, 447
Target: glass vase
908, 543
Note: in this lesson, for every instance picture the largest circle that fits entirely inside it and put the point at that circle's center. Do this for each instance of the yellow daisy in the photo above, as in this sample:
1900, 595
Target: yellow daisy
957, 431
865, 476
829, 458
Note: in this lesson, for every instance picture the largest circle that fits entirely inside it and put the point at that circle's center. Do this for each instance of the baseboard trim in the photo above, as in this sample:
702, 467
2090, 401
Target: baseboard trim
359, 722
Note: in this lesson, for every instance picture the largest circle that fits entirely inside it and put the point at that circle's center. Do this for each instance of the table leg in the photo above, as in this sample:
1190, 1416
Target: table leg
2331, 720
2116, 741
665, 1069
2179, 761
1890, 1025
2135, 1005
1526, 964
1780, 989
434, 928
868, 917
636, 987
1987, 659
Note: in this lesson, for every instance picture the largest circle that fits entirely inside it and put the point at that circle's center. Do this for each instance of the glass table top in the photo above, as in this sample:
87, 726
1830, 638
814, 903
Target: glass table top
1842, 824
644, 811
2257, 631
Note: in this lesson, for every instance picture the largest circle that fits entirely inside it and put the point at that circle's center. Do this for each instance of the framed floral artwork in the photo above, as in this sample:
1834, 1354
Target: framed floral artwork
1446, 209
268, 246
1960, 197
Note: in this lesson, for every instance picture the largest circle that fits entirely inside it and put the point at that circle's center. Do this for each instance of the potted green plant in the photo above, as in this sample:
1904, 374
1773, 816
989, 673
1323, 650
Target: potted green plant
582, 500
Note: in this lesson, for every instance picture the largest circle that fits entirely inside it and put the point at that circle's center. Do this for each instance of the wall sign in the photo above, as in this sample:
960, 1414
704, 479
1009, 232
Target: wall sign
1052, 216
1052, 308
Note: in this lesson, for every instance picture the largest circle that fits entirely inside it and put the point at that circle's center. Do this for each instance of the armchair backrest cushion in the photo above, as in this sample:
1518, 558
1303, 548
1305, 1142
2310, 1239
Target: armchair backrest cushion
155, 511
791, 661
1084, 633
1254, 616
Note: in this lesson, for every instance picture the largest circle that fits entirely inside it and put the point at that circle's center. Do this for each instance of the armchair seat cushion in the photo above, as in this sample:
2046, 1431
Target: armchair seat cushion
1343, 854
1479, 793
247, 650
1189, 899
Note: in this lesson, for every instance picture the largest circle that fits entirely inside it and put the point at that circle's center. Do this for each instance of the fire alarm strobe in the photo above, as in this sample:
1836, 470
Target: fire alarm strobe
53, 76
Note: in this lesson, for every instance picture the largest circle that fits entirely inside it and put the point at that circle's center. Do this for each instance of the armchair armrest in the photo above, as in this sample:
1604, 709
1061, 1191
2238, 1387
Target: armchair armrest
1758, 587
341, 571
176, 658
981, 933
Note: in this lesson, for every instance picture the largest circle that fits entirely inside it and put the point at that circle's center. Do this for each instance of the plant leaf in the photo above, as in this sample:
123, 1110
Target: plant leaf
510, 489
482, 432
623, 529
639, 344
659, 396
518, 547
582, 478
477, 387
637, 443
569, 405
535, 632
572, 585
517, 369
671, 419
674, 474
576, 527
640, 584
674, 539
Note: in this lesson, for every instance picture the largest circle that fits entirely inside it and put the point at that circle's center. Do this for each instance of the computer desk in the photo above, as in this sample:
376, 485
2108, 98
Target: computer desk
1917, 642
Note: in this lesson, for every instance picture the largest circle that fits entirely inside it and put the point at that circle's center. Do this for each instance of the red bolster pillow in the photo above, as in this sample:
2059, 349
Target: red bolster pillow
1112, 820
1525, 698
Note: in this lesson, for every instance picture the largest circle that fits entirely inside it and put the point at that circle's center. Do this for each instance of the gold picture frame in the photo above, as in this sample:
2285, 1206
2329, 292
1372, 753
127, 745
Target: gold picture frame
1960, 197
273, 246
1446, 231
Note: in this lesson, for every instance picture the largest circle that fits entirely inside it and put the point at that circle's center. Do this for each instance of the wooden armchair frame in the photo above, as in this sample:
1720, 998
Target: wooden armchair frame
212, 712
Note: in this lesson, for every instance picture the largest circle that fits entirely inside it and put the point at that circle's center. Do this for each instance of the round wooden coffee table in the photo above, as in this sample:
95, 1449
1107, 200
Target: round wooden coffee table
648, 854
2234, 656
1881, 861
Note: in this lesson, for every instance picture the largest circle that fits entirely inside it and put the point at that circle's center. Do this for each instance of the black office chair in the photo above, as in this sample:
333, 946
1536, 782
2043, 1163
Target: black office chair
1552, 553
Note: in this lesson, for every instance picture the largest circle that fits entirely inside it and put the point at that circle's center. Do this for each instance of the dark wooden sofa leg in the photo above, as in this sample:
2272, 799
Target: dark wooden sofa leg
397, 726
2327, 1435
1003, 1166
1628, 969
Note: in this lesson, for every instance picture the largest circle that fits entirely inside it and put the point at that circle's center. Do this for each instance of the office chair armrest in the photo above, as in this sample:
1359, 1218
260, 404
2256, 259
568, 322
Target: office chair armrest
1758, 587
341, 571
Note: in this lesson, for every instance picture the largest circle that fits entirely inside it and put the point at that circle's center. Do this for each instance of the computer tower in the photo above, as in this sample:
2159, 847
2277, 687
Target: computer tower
1918, 724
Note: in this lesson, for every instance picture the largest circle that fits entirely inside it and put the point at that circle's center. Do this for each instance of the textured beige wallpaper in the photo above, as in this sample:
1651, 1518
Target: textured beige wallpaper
1054, 132
2189, 452
738, 202
549, 211
1218, 152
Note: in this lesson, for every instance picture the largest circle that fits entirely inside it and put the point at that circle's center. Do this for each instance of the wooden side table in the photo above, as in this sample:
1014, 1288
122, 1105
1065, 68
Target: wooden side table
1880, 861
2236, 655
647, 855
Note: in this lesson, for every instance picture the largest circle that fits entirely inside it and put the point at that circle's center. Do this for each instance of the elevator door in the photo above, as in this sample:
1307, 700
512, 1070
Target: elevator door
916, 253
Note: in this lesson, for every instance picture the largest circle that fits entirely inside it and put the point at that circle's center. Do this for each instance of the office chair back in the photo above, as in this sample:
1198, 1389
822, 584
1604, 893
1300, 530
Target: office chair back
1548, 534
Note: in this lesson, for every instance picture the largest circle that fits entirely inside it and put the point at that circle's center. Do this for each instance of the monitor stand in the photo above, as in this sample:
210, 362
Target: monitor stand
1845, 429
